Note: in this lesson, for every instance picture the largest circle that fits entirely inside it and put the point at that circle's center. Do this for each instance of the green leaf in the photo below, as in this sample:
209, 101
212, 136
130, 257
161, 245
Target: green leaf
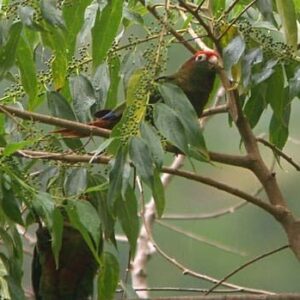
158, 194
114, 70
278, 129
57, 234
55, 39
150, 135
10, 205
254, 56
101, 148
266, 72
170, 126
83, 97
74, 11
59, 106
177, 100
294, 85
8, 51
27, 68
108, 277
88, 218
26, 14
101, 201
142, 159
233, 52
43, 206
76, 223
51, 14
14, 147
127, 213
105, 29
287, 12
101, 82
275, 92
116, 177
75, 181
256, 104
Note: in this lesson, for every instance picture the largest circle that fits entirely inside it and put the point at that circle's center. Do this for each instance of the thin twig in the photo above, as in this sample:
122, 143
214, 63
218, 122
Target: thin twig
220, 213
236, 19
178, 36
230, 7
189, 272
201, 239
181, 289
277, 151
248, 263
202, 23
199, 6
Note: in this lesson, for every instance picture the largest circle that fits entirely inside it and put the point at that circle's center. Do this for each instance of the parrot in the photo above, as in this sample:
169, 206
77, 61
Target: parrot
73, 278
195, 77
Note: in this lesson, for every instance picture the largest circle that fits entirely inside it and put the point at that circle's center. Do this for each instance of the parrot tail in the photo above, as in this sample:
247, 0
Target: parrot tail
105, 118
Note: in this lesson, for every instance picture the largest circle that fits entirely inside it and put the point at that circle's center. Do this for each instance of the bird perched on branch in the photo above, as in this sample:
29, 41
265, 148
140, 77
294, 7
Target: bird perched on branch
195, 77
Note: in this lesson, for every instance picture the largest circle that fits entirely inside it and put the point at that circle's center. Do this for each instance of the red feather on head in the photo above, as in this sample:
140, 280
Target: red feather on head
207, 55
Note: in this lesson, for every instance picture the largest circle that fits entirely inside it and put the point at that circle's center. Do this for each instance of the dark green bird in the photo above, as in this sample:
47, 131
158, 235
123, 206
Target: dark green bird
195, 77
73, 279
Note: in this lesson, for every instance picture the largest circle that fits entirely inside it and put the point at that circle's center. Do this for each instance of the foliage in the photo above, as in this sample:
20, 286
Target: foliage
69, 59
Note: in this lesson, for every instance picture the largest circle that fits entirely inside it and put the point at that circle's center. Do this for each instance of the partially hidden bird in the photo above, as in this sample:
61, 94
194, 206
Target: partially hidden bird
72, 278
195, 77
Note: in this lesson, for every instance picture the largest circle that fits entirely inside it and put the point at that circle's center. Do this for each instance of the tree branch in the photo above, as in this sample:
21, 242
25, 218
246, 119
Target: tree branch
279, 153
247, 264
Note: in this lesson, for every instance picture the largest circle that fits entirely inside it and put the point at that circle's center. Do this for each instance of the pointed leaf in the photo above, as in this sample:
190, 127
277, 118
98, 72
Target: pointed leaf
170, 126
14, 147
10, 205
43, 206
51, 14
74, 11
27, 68
8, 51
108, 277
256, 104
59, 106
158, 194
83, 97
141, 156
127, 213
56, 234
275, 92
177, 100
101, 83
114, 70
88, 218
154, 143
75, 181
287, 12
73, 216
278, 130
233, 52
105, 29
116, 179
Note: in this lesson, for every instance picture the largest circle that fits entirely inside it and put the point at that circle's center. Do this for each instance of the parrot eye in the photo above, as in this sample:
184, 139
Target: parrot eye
200, 57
